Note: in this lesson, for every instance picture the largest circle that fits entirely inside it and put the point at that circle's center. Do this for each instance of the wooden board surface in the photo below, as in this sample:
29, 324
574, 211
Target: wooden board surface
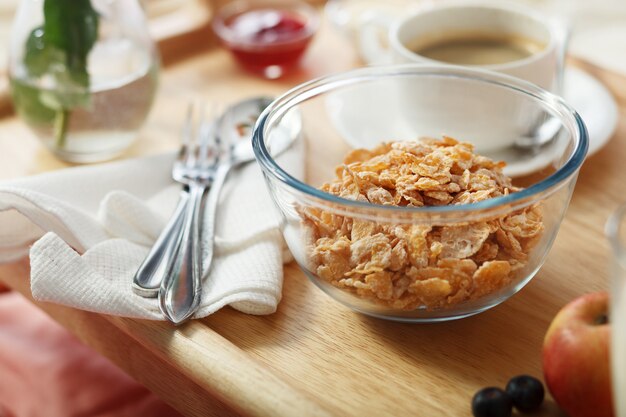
315, 357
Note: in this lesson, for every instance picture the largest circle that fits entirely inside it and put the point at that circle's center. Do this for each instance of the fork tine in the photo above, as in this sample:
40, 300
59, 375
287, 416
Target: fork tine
229, 125
183, 153
219, 131
199, 150
205, 134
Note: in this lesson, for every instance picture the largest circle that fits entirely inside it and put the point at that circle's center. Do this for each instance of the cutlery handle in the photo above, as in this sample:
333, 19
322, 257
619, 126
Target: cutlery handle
149, 276
213, 199
179, 294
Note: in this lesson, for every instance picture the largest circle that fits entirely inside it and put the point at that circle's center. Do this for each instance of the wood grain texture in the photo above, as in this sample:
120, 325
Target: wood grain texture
315, 356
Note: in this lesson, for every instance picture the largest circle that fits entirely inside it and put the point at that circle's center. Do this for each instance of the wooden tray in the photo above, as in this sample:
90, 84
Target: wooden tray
314, 357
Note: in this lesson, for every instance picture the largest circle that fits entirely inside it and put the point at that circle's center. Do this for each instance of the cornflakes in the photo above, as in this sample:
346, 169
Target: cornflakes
409, 266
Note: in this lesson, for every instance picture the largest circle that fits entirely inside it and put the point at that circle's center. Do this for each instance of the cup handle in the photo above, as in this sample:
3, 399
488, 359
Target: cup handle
563, 33
372, 24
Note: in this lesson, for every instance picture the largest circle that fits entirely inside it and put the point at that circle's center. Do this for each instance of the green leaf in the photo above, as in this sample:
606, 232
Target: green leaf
36, 58
72, 26
28, 104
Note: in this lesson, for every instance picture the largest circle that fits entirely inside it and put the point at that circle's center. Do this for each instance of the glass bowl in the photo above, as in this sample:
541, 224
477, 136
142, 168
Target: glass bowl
540, 136
267, 37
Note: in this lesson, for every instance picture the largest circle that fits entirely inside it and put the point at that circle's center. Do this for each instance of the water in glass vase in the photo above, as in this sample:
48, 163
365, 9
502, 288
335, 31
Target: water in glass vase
123, 80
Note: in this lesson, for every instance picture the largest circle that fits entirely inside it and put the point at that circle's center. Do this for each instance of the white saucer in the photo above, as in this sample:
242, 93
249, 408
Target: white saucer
595, 104
584, 93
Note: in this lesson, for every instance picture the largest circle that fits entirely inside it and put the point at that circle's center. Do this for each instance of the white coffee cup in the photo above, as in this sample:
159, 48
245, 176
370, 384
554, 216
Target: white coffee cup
544, 67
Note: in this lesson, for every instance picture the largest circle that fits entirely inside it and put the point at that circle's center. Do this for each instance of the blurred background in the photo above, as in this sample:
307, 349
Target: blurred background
598, 27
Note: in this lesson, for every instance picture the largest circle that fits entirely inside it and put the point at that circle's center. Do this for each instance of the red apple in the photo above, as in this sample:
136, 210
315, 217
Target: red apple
576, 357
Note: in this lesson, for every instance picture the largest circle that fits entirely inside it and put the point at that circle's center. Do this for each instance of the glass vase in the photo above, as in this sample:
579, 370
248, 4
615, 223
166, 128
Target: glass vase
83, 74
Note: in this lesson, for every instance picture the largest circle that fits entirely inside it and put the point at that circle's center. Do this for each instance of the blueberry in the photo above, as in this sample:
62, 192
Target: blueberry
491, 402
526, 392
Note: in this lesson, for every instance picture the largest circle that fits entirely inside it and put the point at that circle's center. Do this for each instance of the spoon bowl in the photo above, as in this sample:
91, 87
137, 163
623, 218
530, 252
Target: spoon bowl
237, 124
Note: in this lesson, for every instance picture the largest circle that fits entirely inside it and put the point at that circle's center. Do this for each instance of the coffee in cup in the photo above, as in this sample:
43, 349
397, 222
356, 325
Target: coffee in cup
477, 48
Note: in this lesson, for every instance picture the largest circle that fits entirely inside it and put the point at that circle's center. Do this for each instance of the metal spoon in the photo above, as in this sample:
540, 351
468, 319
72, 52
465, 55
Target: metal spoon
548, 130
235, 132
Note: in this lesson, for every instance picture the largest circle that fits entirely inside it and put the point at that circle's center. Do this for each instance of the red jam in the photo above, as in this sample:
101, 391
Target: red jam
268, 41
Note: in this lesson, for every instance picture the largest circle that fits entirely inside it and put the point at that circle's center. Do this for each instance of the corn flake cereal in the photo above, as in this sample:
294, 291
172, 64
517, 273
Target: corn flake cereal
408, 266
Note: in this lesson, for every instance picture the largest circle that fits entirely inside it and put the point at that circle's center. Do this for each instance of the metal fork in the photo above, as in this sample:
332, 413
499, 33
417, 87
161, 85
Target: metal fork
148, 278
181, 287
172, 270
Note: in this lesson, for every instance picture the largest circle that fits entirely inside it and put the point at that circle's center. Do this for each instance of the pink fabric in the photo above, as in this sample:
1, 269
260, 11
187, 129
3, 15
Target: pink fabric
46, 372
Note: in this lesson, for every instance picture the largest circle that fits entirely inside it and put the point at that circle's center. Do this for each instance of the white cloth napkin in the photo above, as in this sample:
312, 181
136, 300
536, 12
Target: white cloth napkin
94, 225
